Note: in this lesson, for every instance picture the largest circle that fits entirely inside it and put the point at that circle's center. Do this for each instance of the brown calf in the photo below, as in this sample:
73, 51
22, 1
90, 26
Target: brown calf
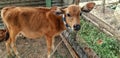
34, 22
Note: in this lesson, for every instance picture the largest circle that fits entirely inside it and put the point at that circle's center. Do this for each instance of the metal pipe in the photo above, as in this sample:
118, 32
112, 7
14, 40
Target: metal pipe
48, 3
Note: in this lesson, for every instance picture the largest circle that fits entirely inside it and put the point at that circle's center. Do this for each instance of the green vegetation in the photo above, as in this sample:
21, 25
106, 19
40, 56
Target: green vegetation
110, 47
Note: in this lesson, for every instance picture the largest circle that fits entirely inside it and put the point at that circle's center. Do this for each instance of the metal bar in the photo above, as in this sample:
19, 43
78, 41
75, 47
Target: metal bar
48, 3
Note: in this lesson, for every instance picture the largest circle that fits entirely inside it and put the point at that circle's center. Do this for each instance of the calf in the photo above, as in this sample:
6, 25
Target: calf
34, 22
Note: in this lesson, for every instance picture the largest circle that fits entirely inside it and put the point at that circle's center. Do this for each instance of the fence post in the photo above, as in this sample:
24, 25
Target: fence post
76, 2
103, 6
48, 3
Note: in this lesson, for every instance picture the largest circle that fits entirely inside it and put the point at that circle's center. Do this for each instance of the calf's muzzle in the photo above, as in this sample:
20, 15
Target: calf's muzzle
77, 27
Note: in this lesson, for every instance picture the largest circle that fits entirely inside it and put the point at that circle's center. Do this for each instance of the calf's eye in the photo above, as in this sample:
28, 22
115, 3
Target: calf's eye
80, 14
68, 15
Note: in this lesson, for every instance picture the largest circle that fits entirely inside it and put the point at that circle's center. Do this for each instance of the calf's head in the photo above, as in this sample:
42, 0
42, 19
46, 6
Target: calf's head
71, 14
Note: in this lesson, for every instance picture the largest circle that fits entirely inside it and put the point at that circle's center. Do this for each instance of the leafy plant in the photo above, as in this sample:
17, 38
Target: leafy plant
105, 46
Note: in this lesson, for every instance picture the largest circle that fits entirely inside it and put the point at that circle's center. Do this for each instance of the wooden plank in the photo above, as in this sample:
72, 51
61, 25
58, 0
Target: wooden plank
99, 24
15, 2
71, 50
71, 38
82, 3
22, 3
89, 51
82, 50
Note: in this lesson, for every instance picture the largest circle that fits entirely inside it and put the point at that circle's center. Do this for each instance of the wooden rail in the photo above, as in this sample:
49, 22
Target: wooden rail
22, 3
73, 43
70, 48
104, 21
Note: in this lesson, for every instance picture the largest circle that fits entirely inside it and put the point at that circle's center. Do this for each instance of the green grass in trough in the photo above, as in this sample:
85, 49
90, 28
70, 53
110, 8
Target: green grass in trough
110, 47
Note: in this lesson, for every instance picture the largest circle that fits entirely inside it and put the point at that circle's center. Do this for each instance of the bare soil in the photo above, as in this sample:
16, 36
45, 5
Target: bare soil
36, 48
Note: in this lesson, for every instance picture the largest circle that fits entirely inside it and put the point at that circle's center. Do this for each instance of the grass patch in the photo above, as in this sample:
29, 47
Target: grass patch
104, 45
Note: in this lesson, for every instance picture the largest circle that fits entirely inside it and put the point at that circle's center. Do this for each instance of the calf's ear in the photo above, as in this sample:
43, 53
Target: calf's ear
58, 10
88, 7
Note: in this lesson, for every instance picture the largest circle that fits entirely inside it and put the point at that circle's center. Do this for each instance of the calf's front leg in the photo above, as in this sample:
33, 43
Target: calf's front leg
49, 42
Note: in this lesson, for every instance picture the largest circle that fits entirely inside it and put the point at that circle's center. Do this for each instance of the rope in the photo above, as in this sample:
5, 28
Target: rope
64, 21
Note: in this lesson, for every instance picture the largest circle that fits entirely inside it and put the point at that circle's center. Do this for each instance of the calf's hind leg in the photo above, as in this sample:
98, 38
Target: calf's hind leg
13, 35
8, 48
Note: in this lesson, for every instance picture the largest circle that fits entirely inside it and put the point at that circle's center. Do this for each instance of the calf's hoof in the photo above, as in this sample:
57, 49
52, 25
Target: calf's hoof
10, 56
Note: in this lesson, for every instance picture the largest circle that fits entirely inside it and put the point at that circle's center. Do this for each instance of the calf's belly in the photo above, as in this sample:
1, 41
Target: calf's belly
32, 35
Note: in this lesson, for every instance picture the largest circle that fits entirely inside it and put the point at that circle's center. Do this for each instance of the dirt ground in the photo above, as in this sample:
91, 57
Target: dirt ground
29, 48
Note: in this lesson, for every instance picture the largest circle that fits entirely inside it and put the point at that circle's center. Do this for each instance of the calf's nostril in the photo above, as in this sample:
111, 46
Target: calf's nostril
74, 26
77, 27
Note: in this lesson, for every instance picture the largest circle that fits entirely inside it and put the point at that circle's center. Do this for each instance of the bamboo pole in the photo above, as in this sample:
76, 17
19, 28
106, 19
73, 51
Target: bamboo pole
103, 9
